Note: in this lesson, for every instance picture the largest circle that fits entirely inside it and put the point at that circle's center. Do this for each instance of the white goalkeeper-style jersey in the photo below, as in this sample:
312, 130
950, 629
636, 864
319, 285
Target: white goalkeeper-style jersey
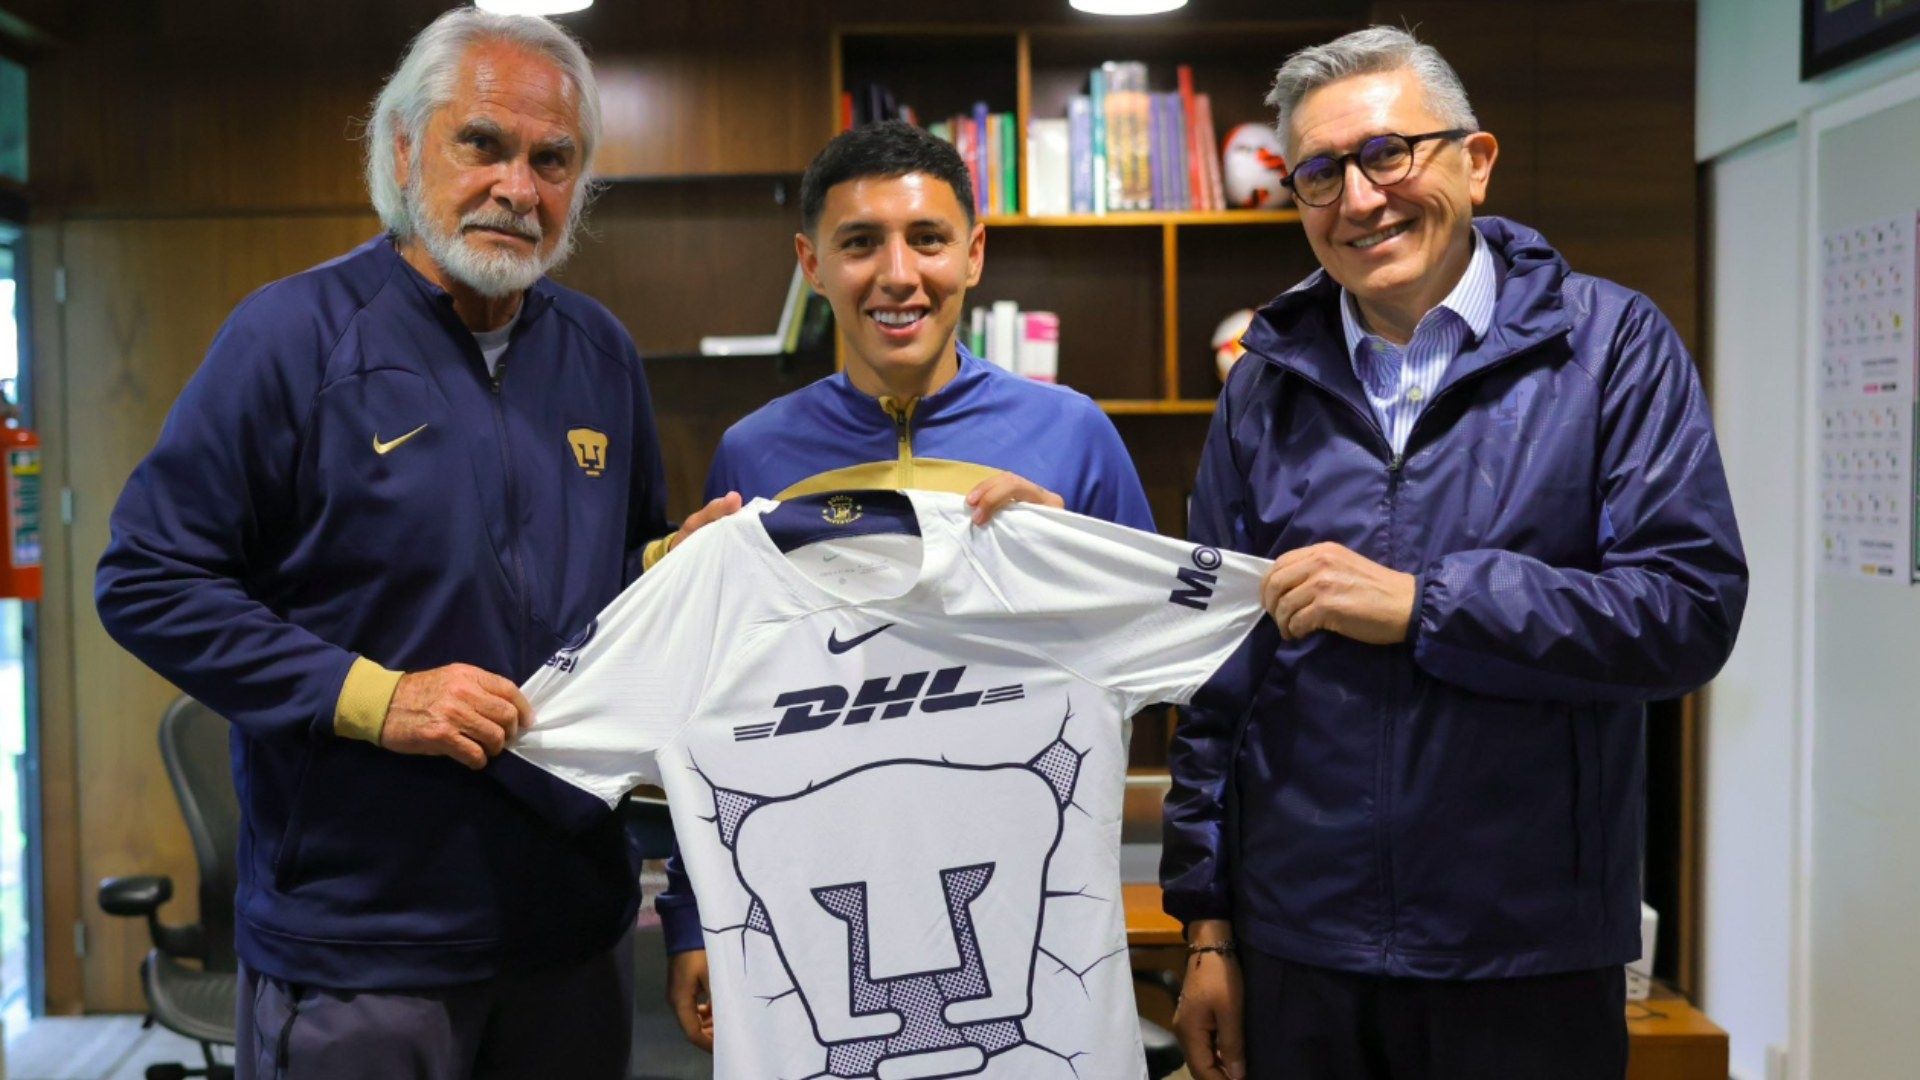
893, 746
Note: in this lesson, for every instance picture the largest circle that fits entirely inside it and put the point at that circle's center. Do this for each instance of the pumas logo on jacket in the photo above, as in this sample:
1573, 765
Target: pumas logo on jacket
589, 450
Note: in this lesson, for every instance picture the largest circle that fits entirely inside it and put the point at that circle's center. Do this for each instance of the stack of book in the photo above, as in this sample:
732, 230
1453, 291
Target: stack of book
1026, 343
988, 141
1125, 147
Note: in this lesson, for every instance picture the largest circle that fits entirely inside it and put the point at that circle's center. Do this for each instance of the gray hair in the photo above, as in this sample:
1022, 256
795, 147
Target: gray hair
1367, 52
424, 83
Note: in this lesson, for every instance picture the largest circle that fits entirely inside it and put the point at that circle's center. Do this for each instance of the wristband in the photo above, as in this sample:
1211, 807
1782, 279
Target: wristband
1224, 949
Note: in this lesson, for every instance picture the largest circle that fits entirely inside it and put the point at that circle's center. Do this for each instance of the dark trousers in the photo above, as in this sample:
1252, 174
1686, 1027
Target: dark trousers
571, 1021
1310, 1023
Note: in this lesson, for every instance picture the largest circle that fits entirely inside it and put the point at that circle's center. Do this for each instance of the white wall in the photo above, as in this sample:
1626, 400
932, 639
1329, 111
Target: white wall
1748, 77
1754, 328
1863, 863
1807, 829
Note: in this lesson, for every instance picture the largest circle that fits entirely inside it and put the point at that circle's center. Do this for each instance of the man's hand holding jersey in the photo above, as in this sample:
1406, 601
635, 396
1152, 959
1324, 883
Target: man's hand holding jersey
456, 711
1329, 587
996, 493
706, 515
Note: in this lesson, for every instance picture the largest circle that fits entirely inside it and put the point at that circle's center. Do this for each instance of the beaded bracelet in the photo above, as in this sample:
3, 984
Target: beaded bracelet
1224, 949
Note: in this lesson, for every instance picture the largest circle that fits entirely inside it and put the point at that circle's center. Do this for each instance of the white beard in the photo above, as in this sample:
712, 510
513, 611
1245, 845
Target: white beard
491, 272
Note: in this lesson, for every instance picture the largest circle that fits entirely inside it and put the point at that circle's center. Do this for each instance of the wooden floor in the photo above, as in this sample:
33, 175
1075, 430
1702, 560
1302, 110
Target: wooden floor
93, 1048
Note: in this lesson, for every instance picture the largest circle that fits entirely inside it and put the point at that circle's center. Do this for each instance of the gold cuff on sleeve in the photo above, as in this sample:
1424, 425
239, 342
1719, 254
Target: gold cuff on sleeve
364, 696
655, 551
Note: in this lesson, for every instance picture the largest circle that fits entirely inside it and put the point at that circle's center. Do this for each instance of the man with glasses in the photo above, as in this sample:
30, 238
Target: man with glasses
1404, 833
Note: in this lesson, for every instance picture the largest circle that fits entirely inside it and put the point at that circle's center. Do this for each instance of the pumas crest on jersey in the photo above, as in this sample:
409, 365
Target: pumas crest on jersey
569, 654
841, 510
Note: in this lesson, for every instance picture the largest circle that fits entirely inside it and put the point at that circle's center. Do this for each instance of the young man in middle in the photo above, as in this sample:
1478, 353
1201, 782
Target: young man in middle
888, 236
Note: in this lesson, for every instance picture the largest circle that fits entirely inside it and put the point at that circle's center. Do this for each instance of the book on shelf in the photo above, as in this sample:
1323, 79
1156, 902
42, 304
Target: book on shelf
1038, 357
1003, 334
1080, 153
1130, 147
1129, 170
1026, 343
978, 163
1010, 202
741, 345
799, 326
1196, 148
1049, 183
988, 141
1097, 145
995, 197
1210, 156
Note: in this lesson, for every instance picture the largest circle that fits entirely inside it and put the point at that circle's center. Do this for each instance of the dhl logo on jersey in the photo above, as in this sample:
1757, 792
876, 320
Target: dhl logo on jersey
884, 698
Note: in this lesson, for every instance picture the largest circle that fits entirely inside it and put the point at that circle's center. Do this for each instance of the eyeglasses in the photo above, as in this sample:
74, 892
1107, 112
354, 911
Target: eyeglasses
1384, 160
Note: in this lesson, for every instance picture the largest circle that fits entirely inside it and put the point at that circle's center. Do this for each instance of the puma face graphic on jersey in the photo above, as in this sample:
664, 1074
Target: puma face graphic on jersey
905, 841
885, 997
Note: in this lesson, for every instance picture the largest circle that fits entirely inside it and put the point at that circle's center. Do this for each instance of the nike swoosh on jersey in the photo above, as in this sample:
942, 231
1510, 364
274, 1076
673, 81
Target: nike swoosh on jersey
837, 646
383, 447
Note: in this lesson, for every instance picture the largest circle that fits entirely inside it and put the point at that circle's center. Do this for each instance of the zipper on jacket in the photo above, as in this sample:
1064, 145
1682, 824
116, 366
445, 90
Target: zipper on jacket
512, 504
1395, 463
902, 416
1389, 728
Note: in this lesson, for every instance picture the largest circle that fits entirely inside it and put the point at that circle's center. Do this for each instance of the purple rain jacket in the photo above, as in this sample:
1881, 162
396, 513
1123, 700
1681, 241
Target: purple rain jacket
1469, 803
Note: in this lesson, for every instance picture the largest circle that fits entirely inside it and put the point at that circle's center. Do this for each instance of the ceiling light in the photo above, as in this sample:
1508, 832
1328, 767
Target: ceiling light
1126, 7
534, 7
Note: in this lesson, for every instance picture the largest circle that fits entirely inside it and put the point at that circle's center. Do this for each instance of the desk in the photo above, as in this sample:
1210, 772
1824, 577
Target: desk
1147, 924
1667, 1038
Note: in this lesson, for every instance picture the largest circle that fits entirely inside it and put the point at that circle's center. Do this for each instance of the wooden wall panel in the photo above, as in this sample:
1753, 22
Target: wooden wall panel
740, 107
1616, 149
143, 300
1593, 103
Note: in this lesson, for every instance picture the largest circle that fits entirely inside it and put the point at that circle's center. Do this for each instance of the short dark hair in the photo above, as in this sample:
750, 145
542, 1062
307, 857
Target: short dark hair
890, 148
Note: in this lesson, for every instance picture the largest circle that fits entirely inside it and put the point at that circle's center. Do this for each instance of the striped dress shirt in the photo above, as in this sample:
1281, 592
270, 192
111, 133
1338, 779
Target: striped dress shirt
1398, 381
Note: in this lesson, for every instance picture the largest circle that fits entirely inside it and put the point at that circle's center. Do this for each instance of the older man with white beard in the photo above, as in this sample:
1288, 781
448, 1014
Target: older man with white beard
401, 481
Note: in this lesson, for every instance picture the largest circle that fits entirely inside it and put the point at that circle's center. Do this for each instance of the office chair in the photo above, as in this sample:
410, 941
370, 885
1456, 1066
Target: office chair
197, 1001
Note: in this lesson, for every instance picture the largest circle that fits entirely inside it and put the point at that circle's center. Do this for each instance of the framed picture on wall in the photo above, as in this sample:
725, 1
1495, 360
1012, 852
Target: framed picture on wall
1836, 32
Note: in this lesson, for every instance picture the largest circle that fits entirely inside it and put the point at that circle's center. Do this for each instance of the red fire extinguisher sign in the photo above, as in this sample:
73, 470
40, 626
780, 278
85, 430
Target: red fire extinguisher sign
20, 564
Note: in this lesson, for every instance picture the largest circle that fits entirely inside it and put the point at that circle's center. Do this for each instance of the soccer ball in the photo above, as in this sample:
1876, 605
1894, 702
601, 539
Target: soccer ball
1251, 168
1226, 340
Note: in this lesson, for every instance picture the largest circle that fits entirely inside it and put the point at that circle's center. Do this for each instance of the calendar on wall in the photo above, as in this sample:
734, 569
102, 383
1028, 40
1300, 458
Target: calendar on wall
1867, 400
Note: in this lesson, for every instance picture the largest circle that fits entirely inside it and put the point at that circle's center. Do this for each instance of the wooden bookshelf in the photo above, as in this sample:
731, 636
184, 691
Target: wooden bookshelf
1156, 407
1144, 217
1139, 292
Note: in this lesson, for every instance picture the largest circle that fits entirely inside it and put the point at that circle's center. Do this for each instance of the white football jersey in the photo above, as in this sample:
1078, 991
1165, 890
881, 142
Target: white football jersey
893, 746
